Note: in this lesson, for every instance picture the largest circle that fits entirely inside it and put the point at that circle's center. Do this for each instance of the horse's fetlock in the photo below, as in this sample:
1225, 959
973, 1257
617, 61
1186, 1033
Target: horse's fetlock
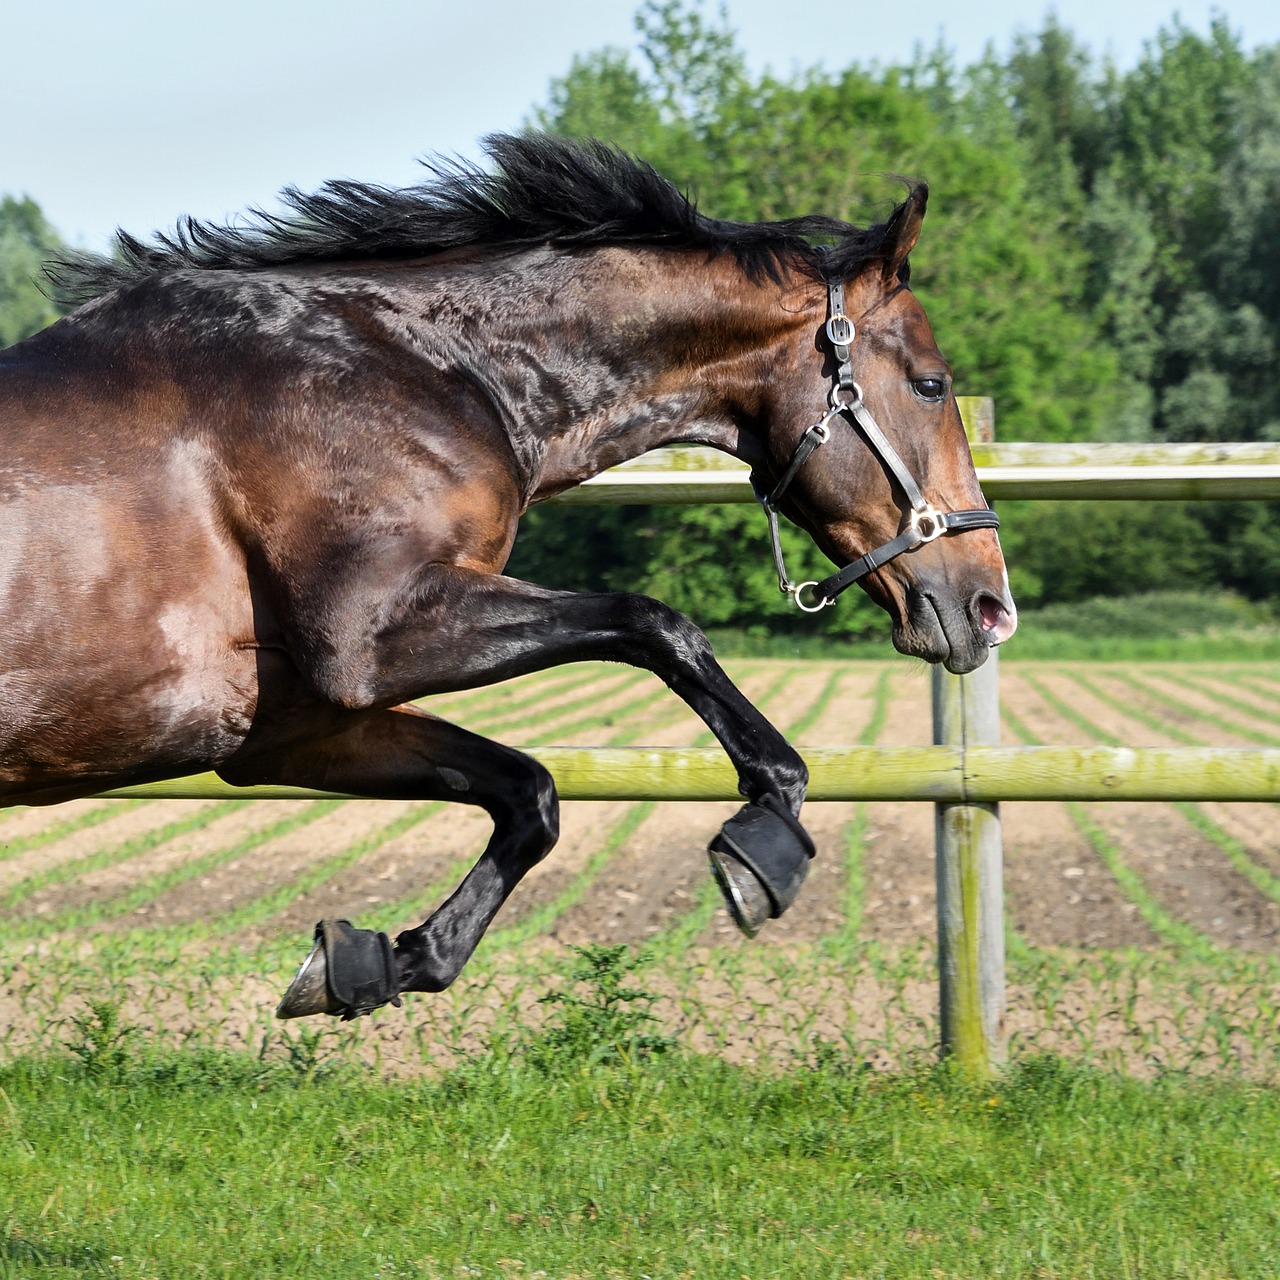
418, 965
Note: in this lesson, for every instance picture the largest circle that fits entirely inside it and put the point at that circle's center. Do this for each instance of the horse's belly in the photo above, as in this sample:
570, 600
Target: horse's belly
61, 724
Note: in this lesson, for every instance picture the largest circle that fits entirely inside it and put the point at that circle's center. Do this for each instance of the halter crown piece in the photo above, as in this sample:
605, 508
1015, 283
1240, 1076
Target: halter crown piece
924, 522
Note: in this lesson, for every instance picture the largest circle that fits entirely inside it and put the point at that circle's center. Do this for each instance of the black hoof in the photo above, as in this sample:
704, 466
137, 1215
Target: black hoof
350, 971
760, 860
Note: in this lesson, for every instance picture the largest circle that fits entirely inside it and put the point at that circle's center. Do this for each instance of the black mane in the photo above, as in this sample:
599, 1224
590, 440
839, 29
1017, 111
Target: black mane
542, 190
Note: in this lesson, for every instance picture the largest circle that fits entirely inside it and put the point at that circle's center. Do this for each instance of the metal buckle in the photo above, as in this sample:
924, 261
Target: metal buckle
841, 330
794, 593
927, 524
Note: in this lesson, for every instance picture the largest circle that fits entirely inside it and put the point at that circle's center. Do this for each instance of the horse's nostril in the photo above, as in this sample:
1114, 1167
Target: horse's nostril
997, 620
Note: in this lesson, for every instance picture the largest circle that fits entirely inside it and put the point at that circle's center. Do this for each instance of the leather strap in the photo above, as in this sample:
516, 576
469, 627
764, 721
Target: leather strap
907, 540
887, 454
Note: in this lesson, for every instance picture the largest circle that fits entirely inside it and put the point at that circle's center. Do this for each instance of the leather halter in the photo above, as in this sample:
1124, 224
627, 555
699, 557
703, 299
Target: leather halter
924, 522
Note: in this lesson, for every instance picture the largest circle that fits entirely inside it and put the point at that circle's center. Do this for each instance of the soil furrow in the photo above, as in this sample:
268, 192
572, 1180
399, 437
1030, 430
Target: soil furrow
23, 822
1186, 874
1210, 714
1057, 891
1256, 826
900, 902
107, 883
130, 824
263, 870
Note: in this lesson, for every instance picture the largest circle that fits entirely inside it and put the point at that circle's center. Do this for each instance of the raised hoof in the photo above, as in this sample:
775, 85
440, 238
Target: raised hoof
350, 972
309, 992
744, 895
760, 859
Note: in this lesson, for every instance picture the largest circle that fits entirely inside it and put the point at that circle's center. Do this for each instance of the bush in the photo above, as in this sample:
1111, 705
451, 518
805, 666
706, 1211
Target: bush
1153, 616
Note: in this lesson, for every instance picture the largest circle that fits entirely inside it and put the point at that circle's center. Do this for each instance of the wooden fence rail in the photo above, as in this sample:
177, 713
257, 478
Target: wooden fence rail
950, 774
1098, 472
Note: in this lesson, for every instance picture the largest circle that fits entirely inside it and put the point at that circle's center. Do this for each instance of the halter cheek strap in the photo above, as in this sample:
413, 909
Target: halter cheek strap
924, 522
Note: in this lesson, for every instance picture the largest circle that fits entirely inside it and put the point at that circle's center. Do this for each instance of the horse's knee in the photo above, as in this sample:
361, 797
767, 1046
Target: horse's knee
529, 808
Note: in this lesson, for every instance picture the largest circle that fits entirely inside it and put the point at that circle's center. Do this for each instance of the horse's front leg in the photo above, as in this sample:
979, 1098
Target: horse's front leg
453, 629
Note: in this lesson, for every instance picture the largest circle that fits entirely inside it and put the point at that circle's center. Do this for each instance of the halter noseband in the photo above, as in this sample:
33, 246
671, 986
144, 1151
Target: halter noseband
925, 522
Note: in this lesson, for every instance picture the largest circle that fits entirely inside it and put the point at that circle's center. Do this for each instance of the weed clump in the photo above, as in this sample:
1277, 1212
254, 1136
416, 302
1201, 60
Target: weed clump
114, 1053
103, 1042
598, 1016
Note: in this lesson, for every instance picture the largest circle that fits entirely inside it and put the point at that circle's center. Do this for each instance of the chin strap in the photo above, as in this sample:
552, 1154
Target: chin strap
924, 522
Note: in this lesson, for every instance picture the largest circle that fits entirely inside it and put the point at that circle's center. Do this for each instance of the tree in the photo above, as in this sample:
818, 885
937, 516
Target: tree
27, 242
1102, 253
1059, 108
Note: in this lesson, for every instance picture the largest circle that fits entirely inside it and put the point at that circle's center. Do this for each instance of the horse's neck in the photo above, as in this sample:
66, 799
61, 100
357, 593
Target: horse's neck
599, 358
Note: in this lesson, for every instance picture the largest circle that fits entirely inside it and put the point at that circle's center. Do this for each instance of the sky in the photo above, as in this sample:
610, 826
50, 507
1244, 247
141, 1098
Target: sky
131, 113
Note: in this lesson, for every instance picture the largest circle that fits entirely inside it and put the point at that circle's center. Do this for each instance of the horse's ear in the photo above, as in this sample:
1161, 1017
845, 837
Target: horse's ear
903, 231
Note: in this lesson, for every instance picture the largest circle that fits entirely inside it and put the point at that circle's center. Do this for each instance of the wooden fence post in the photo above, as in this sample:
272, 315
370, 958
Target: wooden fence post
970, 870
969, 857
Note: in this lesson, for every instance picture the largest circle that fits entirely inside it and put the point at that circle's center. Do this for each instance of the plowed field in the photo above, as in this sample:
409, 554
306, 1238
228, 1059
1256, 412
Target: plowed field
1148, 932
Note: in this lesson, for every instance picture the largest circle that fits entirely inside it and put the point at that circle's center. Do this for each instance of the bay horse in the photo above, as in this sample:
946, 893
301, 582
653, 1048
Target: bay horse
257, 494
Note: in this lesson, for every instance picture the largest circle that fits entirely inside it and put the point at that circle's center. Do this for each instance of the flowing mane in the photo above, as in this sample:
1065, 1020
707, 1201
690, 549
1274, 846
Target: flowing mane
540, 190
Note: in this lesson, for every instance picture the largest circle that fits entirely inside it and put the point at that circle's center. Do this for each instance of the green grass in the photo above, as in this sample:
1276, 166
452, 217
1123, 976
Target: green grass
1037, 645
130, 1163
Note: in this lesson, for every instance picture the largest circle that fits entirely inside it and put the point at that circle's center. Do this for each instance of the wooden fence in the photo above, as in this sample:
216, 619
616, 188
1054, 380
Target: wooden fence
966, 774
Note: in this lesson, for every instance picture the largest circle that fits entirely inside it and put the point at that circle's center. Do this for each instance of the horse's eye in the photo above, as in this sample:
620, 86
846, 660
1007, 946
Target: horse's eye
929, 388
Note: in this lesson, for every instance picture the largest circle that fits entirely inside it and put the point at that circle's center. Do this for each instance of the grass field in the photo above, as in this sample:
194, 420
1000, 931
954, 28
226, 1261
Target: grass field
1141, 937
679, 1165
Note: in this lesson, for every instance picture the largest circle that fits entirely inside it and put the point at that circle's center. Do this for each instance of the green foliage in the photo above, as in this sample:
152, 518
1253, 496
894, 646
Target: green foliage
1174, 113
1250, 246
597, 1015
714, 564
27, 241
1064, 551
1058, 106
1159, 614
102, 1041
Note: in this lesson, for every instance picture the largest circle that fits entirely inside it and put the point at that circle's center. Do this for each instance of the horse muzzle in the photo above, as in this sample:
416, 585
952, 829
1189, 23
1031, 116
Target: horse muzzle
959, 632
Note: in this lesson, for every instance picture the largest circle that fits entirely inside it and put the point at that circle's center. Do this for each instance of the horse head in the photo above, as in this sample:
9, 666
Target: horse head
883, 481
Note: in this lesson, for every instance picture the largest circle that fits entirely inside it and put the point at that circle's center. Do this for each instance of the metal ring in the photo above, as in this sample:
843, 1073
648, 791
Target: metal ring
800, 604
837, 403
931, 516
